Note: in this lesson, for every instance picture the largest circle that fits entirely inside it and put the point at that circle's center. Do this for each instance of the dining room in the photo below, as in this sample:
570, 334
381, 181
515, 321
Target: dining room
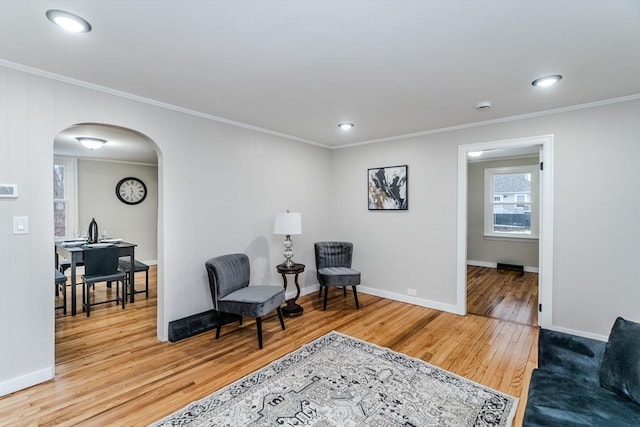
105, 195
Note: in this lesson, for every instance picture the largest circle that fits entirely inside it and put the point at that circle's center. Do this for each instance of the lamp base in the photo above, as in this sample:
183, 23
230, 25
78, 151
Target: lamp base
288, 252
292, 309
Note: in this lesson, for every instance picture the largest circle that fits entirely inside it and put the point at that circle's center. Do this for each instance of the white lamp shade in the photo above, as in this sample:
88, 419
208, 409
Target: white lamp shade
288, 223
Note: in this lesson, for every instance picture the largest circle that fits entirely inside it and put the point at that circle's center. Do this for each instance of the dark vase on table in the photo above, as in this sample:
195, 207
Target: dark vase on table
92, 234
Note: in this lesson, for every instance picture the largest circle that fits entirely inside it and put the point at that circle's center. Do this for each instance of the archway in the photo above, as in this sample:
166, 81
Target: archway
126, 153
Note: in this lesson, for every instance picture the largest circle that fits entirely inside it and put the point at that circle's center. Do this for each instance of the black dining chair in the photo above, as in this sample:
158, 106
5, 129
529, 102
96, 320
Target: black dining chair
65, 264
61, 288
101, 265
231, 293
125, 265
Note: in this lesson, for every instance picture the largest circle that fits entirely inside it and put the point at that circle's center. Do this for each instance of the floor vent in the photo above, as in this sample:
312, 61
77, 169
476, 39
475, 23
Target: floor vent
511, 267
196, 324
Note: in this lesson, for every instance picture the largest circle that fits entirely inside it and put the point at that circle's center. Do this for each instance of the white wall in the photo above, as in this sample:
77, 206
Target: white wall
597, 220
219, 189
492, 251
220, 186
97, 199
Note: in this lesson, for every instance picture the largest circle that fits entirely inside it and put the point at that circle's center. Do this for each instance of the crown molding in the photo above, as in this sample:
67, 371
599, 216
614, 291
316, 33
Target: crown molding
149, 101
500, 120
129, 96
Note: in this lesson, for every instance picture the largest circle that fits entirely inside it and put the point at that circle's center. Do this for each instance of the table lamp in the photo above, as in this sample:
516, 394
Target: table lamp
288, 223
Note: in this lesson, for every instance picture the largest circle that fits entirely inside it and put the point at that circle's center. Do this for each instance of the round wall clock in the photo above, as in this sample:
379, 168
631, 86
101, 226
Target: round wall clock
131, 190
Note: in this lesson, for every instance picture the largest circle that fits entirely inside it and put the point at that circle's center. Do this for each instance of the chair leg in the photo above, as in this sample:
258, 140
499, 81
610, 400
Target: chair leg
344, 291
87, 301
219, 326
259, 326
320, 291
83, 296
124, 293
281, 317
64, 298
146, 283
355, 296
326, 293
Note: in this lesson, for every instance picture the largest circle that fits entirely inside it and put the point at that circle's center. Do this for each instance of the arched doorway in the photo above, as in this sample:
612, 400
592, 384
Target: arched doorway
88, 189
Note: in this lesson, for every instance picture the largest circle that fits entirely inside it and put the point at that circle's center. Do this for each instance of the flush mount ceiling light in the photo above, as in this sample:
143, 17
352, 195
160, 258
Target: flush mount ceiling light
345, 126
68, 21
547, 81
475, 154
91, 143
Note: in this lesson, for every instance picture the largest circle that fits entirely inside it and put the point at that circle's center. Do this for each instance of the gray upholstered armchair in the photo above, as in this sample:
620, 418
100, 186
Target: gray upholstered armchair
231, 293
333, 265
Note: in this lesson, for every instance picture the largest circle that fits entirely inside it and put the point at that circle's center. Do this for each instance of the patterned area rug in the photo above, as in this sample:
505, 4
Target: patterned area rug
338, 380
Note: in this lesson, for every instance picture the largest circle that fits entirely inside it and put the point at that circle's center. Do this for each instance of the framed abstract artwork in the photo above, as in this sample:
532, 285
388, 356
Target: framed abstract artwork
387, 188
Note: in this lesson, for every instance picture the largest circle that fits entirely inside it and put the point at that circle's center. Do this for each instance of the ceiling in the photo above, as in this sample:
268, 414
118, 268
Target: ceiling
123, 144
298, 68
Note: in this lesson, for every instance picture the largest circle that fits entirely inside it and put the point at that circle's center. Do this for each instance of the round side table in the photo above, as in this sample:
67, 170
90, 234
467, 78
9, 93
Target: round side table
292, 309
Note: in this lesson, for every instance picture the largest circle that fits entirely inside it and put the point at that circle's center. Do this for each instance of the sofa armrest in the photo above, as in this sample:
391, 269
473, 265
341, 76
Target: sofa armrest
570, 355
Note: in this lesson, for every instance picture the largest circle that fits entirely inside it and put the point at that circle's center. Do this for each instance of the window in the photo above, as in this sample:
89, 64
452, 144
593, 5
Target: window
511, 204
65, 191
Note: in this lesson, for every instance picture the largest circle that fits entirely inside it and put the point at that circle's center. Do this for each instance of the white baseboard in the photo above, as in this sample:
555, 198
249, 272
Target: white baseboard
579, 333
495, 265
25, 381
436, 305
450, 308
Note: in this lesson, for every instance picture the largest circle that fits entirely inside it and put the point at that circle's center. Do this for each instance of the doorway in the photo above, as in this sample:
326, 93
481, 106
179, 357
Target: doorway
545, 248
126, 153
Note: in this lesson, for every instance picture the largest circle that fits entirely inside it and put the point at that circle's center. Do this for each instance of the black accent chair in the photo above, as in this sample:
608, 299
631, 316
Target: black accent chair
125, 265
231, 293
101, 265
61, 287
333, 265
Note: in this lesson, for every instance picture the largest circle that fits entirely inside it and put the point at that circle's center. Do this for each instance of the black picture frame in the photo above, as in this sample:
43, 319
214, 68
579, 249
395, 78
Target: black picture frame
388, 188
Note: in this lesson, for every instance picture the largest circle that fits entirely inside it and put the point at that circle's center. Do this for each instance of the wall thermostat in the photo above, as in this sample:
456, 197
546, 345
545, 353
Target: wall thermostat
9, 190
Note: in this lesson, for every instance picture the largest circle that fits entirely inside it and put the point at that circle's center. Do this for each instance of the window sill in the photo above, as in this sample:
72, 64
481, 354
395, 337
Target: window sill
531, 239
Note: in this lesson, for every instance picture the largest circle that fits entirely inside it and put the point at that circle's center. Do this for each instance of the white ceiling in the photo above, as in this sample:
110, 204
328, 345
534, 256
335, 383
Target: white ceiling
299, 68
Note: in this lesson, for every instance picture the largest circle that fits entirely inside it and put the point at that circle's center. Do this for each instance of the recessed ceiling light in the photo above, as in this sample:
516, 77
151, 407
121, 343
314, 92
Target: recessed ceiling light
547, 81
475, 154
91, 143
345, 126
483, 105
68, 21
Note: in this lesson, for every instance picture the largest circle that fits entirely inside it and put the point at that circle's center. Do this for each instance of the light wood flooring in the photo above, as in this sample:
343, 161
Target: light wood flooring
112, 370
506, 295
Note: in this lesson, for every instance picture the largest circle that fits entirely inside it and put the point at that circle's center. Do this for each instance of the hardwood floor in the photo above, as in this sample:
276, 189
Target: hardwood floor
506, 295
112, 370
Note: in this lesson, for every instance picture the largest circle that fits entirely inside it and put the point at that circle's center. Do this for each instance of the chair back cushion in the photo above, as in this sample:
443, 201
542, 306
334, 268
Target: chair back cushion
100, 261
333, 254
227, 273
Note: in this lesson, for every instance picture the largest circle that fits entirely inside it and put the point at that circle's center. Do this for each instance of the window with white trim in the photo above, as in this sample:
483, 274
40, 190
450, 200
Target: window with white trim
65, 190
511, 202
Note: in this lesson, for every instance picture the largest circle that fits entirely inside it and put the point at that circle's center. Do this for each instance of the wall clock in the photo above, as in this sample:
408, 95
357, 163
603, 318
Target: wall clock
131, 190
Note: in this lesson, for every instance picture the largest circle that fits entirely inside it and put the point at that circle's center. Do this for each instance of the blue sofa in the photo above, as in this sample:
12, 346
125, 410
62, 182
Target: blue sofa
568, 387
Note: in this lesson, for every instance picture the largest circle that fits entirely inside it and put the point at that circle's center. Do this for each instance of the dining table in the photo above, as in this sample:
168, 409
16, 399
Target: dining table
73, 251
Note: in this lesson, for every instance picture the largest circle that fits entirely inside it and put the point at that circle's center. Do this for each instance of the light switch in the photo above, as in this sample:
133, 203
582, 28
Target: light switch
20, 224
